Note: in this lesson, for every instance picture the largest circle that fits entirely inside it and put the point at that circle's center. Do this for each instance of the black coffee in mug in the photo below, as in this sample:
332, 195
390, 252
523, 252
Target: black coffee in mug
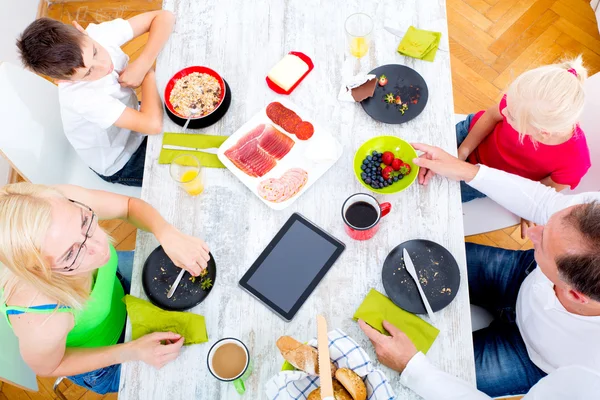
361, 215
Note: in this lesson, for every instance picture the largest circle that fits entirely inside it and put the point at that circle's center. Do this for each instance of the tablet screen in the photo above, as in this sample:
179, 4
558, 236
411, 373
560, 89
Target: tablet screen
292, 265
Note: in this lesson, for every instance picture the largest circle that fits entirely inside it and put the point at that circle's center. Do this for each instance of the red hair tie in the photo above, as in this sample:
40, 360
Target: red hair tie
572, 70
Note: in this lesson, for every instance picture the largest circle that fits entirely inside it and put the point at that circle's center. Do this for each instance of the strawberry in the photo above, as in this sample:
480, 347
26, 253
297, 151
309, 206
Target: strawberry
396, 164
387, 158
383, 80
386, 172
397, 100
389, 98
405, 169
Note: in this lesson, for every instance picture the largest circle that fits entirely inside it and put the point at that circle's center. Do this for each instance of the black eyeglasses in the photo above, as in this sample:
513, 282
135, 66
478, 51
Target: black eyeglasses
88, 227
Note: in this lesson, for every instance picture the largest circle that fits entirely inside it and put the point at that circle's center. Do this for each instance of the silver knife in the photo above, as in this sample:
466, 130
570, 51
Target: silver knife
173, 147
400, 34
410, 267
175, 284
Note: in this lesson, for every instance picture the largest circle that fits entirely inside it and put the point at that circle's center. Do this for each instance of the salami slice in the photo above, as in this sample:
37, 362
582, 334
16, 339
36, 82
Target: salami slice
290, 123
304, 130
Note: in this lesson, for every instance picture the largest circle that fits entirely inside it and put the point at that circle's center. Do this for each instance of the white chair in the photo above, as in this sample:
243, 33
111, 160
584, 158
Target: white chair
33, 140
485, 215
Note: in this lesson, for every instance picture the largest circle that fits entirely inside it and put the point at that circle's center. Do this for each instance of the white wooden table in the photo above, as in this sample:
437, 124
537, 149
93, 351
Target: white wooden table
242, 40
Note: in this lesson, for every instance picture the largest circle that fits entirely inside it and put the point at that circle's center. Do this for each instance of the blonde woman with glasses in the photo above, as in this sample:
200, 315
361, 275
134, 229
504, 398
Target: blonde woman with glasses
533, 132
62, 282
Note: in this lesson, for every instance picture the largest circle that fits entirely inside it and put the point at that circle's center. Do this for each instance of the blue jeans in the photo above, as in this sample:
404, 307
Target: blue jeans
501, 361
462, 130
132, 173
106, 380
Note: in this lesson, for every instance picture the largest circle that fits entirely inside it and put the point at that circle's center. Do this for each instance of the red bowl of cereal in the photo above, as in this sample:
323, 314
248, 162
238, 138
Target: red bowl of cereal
194, 92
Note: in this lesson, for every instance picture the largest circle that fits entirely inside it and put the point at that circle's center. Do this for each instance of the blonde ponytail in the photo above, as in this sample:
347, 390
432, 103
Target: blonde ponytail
548, 99
25, 217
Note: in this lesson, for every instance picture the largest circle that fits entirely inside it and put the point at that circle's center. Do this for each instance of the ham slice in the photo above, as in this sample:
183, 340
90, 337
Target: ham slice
284, 188
257, 152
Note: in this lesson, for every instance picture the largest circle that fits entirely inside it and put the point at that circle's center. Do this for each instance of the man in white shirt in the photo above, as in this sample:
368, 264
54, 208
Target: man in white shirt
418, 374
546, 301
99, 107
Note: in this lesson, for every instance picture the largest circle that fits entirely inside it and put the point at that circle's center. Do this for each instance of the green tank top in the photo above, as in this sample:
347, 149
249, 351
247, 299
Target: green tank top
102, 319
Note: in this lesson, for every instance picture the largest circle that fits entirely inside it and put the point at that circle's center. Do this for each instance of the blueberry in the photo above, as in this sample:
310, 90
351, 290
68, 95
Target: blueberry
385, 184
390, 181
381, 179
400, 176
363, 167
374, 152
374, 185
363, 175
395, 179
365, 161
368, 181
369, 158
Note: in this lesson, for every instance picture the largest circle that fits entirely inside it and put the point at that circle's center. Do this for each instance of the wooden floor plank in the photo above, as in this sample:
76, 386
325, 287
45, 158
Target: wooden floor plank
483, 85
128, 243
14, 393
508, 19
470, 37
478, 5
475, 63
502, 240
525, 59
572, 48
508, 47
480, 239
469, 91
580, 21
581, 7
495, 12
591, 41
470, 14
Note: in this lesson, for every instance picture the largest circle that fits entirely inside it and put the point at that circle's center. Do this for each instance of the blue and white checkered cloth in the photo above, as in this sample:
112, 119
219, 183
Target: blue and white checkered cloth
345, 353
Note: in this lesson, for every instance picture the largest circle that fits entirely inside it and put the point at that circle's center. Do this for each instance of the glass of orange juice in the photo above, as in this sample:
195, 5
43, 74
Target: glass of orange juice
187, 171
358, 33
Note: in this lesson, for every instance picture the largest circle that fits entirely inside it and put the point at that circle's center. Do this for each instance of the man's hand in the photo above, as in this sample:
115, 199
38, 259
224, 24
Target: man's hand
525, 224
133, 75
392, 351
436, 161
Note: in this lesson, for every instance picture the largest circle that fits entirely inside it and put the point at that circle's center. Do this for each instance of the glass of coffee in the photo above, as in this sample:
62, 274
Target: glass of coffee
361, 213
229, 361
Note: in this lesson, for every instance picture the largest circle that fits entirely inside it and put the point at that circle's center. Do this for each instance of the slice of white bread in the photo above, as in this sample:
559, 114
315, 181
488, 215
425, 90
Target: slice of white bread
301, 356
288, 71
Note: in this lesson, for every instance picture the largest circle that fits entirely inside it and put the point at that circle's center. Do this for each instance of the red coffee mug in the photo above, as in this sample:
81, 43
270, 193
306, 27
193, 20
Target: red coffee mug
361, 213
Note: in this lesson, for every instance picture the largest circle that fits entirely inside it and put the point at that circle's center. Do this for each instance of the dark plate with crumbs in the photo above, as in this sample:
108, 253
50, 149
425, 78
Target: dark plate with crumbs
404, 82
159, 274
437, 270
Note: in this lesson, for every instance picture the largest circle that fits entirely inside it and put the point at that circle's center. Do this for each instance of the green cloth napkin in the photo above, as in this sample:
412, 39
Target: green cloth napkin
420, 44
147, 318
376, 308
192, 140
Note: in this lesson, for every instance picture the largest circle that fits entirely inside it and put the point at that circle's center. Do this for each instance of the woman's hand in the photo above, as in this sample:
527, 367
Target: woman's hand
187, 252
151, 350
436, 161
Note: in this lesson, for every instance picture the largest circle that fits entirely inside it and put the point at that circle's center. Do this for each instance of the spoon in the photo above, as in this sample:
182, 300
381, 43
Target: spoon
193, 112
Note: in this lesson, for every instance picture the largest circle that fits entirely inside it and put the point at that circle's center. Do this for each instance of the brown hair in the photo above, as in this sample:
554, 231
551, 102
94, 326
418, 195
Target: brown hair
582, 269
51, 48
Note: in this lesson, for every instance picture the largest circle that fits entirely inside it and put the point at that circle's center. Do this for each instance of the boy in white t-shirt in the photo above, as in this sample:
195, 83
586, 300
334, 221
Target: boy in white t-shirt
99, 108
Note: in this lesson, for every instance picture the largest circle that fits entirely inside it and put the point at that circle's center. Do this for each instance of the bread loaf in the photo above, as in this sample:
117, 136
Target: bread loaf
352, 383
301, 356
339, 393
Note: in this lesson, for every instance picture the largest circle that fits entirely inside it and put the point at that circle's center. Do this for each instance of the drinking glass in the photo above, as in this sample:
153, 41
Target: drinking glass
358, 33
187, 171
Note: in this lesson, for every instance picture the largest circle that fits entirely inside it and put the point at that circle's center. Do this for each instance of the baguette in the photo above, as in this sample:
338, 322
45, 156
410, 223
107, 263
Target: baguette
352, 383
301, 356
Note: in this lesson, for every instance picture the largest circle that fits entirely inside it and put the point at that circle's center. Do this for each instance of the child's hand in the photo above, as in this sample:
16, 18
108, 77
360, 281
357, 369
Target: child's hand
134, 74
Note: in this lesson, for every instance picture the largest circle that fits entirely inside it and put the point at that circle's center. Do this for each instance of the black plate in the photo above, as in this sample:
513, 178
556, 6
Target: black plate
159, 274
440, 276
206, 121
402, 81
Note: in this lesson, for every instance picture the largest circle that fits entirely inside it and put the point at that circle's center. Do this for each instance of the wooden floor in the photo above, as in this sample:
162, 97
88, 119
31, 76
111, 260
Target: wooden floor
491, 42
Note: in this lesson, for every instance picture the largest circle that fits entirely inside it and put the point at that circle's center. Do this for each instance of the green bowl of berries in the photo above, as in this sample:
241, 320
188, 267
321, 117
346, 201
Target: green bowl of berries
384, 164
